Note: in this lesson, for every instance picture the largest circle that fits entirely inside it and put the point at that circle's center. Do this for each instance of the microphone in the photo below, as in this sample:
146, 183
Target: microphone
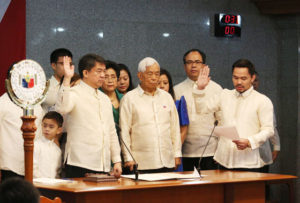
198, 168
135, 165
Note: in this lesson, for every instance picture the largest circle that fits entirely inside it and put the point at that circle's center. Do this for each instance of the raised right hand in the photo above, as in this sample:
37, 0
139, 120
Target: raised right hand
203, 78
68, 68
68, 71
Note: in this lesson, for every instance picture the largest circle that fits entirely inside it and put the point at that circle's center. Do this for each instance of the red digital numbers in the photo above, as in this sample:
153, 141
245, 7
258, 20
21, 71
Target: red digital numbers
234, 19
227, 25
227, 18
229, 30
230, 19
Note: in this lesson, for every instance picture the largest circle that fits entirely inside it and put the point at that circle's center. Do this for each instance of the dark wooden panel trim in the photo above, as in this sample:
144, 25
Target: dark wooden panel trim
278, 7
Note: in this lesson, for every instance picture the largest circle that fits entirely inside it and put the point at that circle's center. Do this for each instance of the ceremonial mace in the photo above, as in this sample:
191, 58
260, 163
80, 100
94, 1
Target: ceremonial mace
26, 86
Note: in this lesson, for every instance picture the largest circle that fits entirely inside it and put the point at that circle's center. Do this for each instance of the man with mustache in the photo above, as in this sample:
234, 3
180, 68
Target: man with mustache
149, 123
248, 110
200, 125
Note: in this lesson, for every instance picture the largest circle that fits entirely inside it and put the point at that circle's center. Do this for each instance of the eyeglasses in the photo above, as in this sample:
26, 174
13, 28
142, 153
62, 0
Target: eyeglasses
197, 62
62, 63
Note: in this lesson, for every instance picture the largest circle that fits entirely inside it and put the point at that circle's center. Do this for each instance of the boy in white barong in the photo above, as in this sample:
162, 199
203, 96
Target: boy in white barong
47, 154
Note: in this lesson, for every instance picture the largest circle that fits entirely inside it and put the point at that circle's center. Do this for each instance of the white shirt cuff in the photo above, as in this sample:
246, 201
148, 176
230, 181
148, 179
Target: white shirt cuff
252, 143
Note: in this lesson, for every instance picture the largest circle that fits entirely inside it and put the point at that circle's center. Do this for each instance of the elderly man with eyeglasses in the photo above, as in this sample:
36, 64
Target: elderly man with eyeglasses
201, 125
149, 124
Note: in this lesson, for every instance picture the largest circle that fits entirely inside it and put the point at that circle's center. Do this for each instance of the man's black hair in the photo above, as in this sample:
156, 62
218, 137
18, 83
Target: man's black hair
59, 52
244, 63
203, 55
88, 61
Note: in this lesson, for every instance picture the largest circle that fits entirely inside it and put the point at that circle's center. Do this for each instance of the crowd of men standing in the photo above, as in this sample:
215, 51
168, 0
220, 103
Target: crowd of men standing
101, 124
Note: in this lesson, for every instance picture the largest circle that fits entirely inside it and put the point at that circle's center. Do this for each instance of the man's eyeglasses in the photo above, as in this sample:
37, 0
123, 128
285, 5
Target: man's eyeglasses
62, 63
197, 62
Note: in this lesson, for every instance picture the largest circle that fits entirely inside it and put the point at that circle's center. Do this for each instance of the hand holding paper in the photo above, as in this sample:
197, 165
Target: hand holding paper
242, 143
231, 133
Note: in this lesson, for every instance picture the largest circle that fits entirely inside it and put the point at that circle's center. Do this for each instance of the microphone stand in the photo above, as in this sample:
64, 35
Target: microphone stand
198, 168
135, 165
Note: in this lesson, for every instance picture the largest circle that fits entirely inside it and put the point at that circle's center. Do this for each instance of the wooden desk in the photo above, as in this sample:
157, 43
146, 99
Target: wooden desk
215, 186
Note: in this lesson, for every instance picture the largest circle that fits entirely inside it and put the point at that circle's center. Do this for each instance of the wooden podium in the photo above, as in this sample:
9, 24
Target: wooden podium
215, 186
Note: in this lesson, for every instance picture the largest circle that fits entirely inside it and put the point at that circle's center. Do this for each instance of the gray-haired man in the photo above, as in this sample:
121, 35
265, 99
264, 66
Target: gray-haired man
149, 123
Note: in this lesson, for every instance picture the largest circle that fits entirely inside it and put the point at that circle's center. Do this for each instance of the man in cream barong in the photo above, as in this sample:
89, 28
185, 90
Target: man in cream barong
149, 123
92, 141
248, 110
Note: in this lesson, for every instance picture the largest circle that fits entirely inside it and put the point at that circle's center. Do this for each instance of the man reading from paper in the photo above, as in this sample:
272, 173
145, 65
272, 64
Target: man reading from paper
250, 111
149, 123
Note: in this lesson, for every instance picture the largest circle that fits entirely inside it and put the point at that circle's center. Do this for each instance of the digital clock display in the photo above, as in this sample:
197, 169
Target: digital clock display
227, 25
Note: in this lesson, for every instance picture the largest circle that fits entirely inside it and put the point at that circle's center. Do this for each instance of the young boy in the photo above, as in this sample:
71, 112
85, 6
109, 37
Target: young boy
47, 154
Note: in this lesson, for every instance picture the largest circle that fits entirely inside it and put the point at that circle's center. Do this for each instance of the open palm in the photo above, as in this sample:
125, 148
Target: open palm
68, 68
203, 78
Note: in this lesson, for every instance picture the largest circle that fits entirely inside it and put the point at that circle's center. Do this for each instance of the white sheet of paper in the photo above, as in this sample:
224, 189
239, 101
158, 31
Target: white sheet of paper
53, 181
229, 132
164, 176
